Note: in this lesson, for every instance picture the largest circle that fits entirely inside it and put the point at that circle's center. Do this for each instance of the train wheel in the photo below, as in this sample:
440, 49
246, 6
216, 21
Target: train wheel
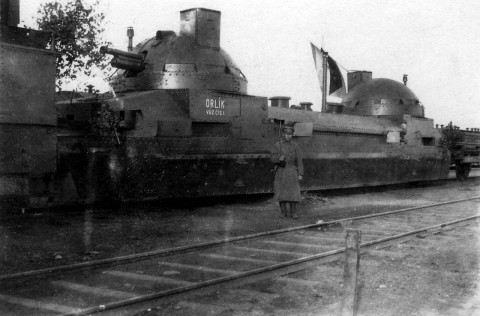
468, 167
459, 172
462, 171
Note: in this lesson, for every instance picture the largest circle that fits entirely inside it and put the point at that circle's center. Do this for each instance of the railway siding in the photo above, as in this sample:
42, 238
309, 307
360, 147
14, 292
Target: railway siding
177, 274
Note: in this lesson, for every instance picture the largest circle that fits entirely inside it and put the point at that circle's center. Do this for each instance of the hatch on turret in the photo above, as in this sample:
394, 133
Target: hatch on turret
379, 97
203, 25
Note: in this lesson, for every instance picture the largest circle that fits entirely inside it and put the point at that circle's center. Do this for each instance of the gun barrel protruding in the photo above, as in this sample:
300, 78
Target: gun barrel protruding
124, 60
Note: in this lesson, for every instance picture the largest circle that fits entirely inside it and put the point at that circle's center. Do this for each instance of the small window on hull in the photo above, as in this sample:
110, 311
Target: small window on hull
428, 141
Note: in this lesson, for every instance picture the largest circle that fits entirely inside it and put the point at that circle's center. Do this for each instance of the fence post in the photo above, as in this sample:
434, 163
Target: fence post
350, 274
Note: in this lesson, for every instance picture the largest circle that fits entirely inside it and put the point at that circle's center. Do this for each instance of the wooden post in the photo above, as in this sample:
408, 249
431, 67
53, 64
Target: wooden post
350, 274
324, 80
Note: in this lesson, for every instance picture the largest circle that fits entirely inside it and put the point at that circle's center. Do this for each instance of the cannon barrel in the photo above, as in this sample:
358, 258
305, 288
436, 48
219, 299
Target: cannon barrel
124, 60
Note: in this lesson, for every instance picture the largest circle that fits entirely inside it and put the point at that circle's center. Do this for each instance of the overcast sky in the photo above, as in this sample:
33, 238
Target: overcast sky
435, 42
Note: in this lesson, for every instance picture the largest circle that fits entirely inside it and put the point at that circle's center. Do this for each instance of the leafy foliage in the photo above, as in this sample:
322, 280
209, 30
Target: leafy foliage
105, 123
77, 29
451, 136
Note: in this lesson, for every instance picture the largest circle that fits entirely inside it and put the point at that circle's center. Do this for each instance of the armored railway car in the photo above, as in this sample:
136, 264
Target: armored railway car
187, 127
28, 141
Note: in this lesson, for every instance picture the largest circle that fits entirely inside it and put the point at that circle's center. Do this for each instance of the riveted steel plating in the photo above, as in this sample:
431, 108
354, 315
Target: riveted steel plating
193, 59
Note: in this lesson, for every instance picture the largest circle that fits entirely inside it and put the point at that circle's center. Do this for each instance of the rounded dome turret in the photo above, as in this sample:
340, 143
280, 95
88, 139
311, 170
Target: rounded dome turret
382, 97
191, 60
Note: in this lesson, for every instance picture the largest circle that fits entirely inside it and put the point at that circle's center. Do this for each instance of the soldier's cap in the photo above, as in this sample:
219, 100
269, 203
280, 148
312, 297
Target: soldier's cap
287, 129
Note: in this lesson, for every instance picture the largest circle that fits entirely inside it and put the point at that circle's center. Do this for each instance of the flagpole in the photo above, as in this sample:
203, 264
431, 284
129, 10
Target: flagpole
324, 86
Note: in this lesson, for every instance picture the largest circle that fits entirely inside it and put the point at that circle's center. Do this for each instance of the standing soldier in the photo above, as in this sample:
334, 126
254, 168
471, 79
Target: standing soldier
403, 132
287, 157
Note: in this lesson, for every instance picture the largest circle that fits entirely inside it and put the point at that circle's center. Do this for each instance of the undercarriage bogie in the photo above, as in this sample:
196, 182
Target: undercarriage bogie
462, 170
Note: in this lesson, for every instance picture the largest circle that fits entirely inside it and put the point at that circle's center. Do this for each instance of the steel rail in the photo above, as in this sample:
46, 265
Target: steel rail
264, 270
188, 248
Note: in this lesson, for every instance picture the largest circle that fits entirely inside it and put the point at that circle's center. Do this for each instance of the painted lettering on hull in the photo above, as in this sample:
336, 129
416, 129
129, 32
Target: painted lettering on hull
215, 112
215, 107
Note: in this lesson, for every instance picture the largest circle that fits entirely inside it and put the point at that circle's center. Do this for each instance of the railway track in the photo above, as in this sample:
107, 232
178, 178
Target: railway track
125, 284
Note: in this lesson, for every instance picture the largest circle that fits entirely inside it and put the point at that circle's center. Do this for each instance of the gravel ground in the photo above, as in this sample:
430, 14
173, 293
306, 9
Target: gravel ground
43, 239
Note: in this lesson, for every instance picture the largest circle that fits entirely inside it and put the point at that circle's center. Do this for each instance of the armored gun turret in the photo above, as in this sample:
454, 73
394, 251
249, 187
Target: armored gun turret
193, 59
379, 97
131, 62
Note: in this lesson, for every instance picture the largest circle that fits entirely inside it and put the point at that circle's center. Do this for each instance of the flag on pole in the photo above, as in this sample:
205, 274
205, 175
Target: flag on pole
335, 82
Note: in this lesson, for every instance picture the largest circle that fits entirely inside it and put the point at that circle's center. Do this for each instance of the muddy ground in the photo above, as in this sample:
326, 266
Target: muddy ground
45, 238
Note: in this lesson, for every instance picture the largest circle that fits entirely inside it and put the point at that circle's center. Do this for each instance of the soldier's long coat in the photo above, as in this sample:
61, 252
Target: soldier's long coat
287, 187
